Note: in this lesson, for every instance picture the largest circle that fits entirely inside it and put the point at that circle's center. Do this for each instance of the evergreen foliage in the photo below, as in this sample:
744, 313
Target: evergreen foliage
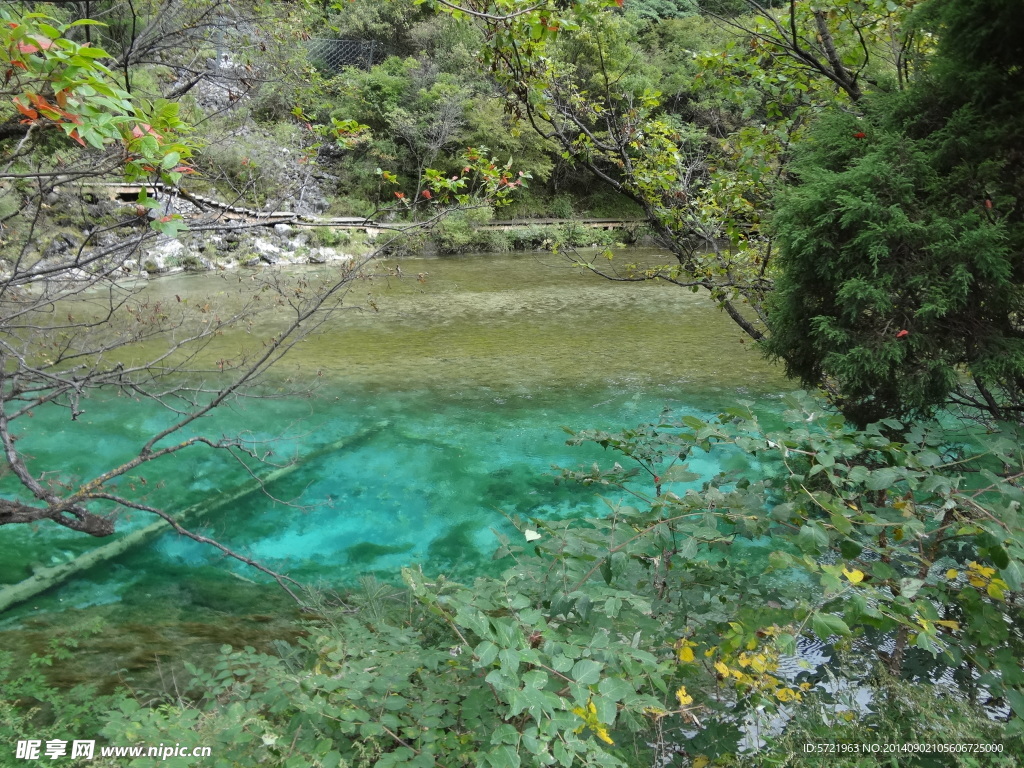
902, 246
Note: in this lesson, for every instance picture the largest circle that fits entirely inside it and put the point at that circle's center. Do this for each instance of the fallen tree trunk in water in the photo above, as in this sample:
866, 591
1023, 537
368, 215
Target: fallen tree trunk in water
51, 576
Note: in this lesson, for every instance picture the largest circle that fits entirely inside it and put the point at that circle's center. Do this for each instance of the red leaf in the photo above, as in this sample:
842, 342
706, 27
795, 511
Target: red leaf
148, 129
31, 114
860, 135
27, 48
74, 135
988, 204
426, 194
902, 334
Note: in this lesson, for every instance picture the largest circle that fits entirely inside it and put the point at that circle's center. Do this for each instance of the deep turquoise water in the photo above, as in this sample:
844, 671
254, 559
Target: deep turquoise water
457, 385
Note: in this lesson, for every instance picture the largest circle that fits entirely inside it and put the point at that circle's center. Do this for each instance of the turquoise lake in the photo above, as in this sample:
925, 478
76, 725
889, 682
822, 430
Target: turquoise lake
449, 386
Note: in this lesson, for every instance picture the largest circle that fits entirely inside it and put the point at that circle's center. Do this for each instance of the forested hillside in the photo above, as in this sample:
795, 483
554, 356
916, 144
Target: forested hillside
841, 178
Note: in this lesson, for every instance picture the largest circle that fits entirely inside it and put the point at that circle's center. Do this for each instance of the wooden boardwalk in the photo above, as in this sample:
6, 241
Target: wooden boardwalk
232, 213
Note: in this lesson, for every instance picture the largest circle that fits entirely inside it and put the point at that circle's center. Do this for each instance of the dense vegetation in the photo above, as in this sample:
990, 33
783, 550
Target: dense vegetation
843, 179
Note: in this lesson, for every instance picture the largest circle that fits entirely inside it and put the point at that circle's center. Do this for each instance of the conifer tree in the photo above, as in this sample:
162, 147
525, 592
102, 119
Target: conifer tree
902, 242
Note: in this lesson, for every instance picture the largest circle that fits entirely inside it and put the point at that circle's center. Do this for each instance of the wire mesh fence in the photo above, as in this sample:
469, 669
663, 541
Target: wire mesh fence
177, 31
331, 56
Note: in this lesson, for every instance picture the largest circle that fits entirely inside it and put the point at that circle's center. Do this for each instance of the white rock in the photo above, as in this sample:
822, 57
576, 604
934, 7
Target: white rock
166, 250
264, 248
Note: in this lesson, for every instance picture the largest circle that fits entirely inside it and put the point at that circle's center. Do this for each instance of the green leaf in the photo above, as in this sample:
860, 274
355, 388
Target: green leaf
503, 756
1013, 575
999, 557
841, 524
614, 688
910, 587
586, 672
678, 473
92, 53
812, 537
881, 479
850, 549
486, 653
825, 625
606, 709
170, 160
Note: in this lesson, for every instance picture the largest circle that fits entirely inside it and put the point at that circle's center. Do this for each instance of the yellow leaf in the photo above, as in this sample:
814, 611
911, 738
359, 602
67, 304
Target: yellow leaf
950, 624
760, 663
855, 576
685, 699
701, 761
981, 569
952, 573
685, 654
602, 734
722, 669
995, 591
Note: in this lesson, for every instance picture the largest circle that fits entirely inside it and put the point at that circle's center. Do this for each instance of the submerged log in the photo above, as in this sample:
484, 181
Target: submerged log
52, 576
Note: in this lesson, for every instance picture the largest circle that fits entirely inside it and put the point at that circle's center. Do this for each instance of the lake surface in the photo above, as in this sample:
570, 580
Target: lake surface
449, 386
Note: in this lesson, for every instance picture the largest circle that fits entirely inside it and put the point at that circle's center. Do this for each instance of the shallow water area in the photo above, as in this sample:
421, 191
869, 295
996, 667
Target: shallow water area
433, 419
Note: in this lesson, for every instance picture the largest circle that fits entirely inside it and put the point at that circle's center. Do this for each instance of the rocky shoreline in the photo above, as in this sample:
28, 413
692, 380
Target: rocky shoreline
279, 244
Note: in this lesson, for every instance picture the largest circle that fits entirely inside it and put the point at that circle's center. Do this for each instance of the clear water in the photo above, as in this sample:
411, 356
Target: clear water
456, 377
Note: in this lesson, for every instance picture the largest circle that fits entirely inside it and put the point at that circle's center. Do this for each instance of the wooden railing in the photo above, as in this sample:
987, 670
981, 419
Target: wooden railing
228, 212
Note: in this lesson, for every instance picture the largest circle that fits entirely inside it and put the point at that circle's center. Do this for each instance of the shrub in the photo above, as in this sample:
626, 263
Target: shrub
458, 232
